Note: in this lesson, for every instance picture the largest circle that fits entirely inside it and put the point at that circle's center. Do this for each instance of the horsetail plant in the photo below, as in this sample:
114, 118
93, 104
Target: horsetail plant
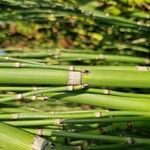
82, 78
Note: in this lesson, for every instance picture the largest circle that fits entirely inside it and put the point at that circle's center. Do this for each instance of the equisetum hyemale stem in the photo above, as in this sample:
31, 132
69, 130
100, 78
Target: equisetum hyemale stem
17, 138
94, 78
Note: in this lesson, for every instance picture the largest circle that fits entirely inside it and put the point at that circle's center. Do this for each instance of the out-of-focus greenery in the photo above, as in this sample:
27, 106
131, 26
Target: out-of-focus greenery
75, 31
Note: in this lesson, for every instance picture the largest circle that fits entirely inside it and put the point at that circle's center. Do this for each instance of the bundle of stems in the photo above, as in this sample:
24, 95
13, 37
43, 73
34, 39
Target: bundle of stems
89, 90
44, 123
105, 101
106, 138
100, 103
34, 81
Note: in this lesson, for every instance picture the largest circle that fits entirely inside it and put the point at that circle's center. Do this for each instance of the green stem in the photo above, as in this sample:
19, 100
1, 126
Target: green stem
110, 120
70, 115
17, 138
96, 78
27, 94
105, 101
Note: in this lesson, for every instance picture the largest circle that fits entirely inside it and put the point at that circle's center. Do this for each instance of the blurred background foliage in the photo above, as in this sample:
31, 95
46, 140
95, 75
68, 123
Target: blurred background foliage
45, 26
